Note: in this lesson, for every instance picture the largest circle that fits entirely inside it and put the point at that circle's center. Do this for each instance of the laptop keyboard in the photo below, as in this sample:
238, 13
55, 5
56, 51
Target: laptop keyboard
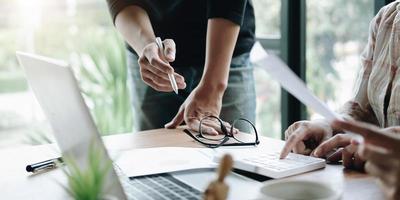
159, 187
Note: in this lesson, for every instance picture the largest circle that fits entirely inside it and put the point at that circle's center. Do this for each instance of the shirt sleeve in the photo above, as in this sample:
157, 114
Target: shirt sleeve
232, 10
359, 108
116, 6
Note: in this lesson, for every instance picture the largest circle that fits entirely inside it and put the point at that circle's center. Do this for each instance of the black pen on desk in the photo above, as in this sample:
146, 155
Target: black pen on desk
44, 165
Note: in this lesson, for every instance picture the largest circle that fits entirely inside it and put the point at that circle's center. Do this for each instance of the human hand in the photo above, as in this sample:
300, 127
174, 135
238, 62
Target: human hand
199, 104
385, 165
341, 147
304, 136
381, 149
155, 67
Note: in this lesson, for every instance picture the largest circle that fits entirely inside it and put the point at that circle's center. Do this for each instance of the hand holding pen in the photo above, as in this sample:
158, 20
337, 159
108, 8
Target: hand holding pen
155, 69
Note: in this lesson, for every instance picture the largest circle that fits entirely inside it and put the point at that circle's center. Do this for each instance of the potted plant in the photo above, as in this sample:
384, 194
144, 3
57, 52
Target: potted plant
87, 183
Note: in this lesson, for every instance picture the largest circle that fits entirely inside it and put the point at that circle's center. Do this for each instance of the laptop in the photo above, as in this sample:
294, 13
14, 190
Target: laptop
58, 93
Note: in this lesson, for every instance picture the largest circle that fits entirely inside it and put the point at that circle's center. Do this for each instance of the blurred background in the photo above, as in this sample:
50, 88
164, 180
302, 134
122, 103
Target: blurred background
81, 32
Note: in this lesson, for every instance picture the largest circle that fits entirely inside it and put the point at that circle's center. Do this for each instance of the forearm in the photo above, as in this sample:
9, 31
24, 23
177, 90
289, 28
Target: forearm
135, 27
221, 39
352, 110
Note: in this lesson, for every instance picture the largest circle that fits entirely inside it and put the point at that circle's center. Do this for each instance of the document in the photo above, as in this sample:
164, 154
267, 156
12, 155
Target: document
141, 162
289, 81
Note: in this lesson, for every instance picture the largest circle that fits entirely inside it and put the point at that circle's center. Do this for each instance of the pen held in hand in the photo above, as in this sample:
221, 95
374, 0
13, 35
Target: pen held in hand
170, 75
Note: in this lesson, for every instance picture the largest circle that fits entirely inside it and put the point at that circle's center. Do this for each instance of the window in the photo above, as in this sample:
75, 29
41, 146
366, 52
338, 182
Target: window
337, 32
75, 31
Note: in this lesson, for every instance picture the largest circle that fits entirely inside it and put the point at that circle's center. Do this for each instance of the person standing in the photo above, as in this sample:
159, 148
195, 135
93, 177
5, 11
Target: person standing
206, 47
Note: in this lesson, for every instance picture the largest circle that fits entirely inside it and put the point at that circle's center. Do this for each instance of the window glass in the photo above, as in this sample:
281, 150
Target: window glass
268, 122
267, 13
72, 30
337, 32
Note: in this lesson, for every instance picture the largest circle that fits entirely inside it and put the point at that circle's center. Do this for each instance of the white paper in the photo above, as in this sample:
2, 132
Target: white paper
289, 81
140, 162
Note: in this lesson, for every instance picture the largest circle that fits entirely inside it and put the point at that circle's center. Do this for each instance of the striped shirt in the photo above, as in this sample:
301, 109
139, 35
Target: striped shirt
377, 89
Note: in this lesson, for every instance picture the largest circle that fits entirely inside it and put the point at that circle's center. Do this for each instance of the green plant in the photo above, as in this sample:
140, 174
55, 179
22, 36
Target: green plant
102, 74
88, 183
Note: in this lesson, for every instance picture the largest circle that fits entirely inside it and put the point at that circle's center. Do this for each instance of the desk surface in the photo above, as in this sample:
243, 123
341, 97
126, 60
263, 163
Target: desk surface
15, 183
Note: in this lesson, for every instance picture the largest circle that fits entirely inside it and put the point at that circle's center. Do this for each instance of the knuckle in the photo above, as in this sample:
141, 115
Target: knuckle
298, 123
287, 134
153, 61
140, 60
169, 41
293, 137
338, 137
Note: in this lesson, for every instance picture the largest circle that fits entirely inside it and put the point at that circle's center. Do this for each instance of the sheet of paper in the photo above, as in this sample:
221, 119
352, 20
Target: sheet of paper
289, 81
140, 162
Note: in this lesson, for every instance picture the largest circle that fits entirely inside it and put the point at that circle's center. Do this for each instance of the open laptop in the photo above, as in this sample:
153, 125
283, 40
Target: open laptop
58, 93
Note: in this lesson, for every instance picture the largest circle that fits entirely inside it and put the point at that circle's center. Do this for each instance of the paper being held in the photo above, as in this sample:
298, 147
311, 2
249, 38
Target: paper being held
289, 81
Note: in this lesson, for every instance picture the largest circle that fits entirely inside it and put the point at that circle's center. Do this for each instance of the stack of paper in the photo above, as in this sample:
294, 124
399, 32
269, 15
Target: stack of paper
140, 162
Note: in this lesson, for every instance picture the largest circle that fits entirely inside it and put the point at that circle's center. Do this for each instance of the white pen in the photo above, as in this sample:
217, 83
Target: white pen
170, 75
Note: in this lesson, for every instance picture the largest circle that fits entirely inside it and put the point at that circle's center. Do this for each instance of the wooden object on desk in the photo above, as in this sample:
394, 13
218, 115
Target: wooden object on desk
16, 183
218, 189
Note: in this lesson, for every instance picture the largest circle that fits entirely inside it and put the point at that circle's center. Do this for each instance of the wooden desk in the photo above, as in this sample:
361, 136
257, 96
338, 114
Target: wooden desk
15, 183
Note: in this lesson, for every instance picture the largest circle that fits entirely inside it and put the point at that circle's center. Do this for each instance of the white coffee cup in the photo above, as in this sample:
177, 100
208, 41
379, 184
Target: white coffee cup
298, 190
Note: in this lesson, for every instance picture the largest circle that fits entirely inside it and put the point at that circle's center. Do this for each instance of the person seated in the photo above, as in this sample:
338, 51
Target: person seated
376, 102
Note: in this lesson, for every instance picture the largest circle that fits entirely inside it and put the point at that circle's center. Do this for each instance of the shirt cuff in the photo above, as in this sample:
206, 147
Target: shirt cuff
116, 6
232, 10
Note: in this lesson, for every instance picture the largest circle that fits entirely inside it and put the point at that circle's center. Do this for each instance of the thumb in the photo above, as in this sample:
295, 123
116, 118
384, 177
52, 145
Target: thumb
169, 50
177, 120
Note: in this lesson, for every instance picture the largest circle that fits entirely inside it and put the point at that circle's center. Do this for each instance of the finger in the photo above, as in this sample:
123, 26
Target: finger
358, 162
294, 138
291, 129
155, 86
378, 171
155, 78
377, 155
180, 81
339, 140
145, 65
370, 133
194, 124
156, 62
216, 125
169, 50
393, 129
229, 127
347, 157
335, 156
300, 148
162, 78
178, 119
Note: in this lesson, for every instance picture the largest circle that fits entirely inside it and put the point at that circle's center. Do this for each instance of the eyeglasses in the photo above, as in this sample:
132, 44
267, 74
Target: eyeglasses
241, 124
